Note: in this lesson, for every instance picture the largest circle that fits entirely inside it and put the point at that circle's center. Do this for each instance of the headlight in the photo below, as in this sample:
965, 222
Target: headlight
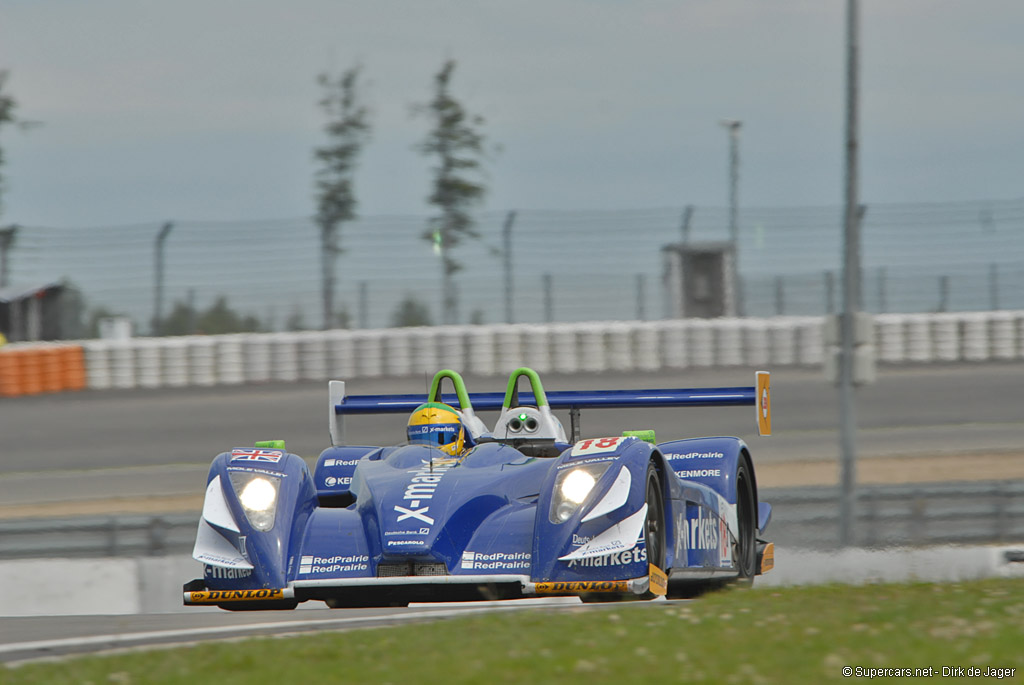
258, 495
577, 485
572, 487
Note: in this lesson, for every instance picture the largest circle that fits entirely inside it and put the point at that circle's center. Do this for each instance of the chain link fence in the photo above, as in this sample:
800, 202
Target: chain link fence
543, 266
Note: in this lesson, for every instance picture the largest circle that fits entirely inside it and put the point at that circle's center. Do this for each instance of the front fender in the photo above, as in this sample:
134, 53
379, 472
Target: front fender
260, 557
603, 538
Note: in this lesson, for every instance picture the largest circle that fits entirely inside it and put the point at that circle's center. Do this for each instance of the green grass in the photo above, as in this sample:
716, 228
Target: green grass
791, 635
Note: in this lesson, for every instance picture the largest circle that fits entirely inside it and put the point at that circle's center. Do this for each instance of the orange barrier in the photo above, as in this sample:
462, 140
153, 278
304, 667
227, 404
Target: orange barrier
31, 371
51, 370
10, 373
41, 368
73, 358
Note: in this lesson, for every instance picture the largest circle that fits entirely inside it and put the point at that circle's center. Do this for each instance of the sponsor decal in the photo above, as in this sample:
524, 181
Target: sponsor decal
421, 531
399, 543
258, 454
694, 455
208, 596
478, 561
340, 462
725, 549
254, 469
614, 559
337, 564
580, 540
606, 548
704, 531
581, 462
700, 473
764, 407
548, 588
682, 535
221, 572
658, 581
331, 481
421, 487
211, 559
596, 446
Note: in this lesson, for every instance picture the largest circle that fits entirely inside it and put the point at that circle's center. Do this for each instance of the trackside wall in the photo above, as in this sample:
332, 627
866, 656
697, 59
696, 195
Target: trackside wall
152, 585
497, 350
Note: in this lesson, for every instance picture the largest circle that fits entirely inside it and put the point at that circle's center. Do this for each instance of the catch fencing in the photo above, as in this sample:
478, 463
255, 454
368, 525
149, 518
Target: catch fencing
805, 518
534, 266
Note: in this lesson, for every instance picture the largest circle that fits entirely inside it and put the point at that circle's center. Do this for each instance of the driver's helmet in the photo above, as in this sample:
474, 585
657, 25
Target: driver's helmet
439, 425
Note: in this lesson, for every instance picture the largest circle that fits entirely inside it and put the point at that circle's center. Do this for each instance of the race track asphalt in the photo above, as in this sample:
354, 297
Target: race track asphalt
99, 444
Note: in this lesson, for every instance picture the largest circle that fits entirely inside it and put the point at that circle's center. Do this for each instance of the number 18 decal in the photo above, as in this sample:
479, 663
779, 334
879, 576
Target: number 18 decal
596, 446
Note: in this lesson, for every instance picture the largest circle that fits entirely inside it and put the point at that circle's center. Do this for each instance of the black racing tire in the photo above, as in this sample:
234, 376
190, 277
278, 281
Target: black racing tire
745, 548
654, 524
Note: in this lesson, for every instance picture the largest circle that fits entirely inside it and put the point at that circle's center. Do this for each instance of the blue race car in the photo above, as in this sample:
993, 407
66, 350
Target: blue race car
461, 512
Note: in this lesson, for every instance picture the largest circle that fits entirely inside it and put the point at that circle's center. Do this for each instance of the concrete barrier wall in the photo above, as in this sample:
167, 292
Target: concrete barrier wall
495, 350
152, 585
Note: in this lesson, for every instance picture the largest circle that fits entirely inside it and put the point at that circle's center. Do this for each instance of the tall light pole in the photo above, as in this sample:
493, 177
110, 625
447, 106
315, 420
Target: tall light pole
851, 293
733, 127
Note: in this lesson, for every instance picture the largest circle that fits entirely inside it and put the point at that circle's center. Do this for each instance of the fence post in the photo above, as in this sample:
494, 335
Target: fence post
871, 516
918, 519
113, 547
883, 303
364, 305
943, 293
157, 536
1000, 513
993, 287
641, 297
830, 287
548, 304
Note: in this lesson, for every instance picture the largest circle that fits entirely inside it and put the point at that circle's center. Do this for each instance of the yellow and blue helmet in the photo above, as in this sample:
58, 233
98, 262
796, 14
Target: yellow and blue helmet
438, 425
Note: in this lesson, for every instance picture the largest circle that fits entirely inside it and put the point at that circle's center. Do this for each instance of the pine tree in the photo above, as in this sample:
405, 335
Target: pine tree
347, 131
458, 147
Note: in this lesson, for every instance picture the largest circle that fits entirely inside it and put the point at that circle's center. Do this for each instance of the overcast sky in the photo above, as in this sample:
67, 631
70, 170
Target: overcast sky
206, 109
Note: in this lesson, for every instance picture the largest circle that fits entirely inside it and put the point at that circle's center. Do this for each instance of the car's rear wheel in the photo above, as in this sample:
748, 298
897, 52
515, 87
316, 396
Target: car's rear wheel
745, 547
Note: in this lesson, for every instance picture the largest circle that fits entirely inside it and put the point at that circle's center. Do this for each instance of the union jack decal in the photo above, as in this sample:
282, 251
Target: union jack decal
272, 456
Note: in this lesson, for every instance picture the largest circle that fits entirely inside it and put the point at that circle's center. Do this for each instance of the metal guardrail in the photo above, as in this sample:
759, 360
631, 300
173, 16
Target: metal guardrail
106, 536
806, 517
901, 515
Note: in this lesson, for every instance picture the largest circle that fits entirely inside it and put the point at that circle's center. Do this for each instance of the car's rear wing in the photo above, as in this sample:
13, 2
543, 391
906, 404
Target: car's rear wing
757, 395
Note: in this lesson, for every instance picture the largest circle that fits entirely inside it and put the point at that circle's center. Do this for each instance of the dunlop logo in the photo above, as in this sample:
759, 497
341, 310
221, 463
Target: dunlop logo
582, 586
235, 595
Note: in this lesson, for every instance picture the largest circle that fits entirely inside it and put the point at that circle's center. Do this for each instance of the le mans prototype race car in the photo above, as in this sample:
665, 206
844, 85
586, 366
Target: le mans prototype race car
523, 512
